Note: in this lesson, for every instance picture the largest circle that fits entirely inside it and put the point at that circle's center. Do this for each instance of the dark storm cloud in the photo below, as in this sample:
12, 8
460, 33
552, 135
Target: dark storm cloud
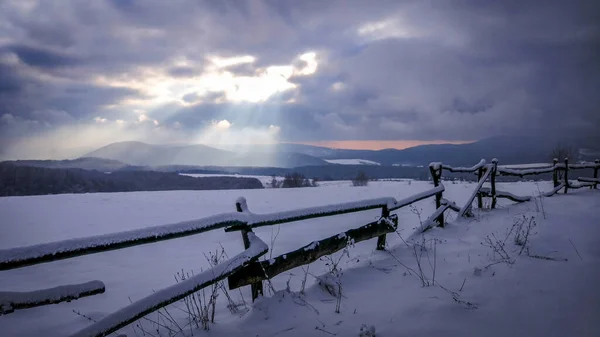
455, 70
183, 71
38, 57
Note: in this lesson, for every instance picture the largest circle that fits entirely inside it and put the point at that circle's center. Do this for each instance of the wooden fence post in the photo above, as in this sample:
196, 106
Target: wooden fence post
493, 181
385, 214
479, 195
436, 174
555, 172
566, 175
257, 287
597, 162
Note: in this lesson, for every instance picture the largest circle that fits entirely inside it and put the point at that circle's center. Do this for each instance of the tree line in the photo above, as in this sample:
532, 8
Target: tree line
296, 179
17, 180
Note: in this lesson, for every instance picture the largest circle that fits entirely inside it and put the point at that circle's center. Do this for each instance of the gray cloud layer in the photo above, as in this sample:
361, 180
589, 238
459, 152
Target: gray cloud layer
454, 70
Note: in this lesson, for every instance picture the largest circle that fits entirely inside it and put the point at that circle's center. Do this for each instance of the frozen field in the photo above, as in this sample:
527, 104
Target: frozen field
530, 297
265, 180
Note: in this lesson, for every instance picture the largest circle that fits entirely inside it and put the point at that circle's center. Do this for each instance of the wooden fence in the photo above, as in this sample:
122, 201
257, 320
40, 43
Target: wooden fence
244, 268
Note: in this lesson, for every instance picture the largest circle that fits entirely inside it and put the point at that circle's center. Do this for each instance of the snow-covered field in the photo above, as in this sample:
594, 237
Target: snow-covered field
530, 297
265, 180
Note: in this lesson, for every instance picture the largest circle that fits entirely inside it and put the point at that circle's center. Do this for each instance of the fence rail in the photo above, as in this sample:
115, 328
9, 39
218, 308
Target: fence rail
557, 169
242, 220
244, 268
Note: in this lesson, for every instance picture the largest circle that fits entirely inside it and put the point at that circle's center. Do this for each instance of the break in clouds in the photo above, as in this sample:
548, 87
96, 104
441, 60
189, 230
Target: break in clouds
76, 75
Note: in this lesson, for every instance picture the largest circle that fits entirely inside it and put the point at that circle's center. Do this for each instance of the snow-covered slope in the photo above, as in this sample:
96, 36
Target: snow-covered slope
474, 292
351, 162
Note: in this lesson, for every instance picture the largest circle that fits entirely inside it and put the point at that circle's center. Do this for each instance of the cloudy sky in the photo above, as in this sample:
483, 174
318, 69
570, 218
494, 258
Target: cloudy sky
75, 75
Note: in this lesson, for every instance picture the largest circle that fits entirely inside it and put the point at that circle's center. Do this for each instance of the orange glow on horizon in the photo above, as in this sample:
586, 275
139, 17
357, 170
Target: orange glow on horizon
379, 144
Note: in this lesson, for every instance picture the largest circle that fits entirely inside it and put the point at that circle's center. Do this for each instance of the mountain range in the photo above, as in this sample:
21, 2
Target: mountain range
134, 155
509, 150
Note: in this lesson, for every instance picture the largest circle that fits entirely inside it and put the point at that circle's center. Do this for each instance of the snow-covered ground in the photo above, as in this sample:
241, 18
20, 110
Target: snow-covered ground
527, 166
265, 180
531, 296
352, 162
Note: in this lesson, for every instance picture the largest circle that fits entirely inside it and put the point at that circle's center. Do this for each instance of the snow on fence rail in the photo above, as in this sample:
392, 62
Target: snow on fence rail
490, 171
245, 268
236, 268
161, 298
14, 300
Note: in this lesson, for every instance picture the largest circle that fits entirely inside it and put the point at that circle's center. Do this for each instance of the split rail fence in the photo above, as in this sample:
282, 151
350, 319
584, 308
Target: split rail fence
245, 268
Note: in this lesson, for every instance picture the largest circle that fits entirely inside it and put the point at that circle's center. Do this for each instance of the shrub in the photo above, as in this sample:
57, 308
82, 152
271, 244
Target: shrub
294, 180
361, 179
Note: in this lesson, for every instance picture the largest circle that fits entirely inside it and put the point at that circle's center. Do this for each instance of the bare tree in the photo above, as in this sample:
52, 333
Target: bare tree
295, 179
562, 151
361, 179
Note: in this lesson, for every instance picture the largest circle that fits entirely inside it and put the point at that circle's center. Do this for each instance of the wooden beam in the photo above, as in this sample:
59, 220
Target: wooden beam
566, 175
501, 194
479, 195
436, 174
589, 180
430, 222
256, 288
493, 181
385, 213
464, 210
555, 172
597, 162
13, 300
258, 271
140, 308
47, 252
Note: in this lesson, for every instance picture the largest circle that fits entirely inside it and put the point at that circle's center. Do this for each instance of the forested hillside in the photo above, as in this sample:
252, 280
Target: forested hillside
25, 180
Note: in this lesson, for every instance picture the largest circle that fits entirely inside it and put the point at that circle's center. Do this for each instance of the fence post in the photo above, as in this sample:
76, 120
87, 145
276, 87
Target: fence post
257, 287
385, 214
555, 172
597, 162
566, 174
436, 174
493, 181
479, 195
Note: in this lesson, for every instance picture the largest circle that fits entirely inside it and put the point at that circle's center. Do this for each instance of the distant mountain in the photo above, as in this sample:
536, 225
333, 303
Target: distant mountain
138, 153
508, 150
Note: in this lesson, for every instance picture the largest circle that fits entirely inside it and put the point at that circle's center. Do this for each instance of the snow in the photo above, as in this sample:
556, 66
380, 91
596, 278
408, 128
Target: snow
177, 291
265, 180
488, 192
352, 162
430, 222
467, 206
583, 166
435, 165
416, 197
524, 172
526, 166
11, 300
377, 290
579, 185
589, 180
11, 258
258, 220
312, 246
473, 168
554, 190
